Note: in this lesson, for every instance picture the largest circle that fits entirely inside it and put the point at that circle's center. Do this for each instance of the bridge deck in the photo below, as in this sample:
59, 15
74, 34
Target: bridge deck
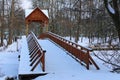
59, 65
57, 59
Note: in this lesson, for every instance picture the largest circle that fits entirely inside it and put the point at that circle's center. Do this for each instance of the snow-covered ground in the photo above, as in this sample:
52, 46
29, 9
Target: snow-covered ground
59, 65
84, 41
9, 62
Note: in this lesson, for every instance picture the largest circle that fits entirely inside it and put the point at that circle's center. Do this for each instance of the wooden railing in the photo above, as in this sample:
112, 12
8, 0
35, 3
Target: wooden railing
80, 53
31, 56
37, 54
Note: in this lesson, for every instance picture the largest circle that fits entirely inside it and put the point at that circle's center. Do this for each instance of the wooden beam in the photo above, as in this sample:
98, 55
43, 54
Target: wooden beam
27, 29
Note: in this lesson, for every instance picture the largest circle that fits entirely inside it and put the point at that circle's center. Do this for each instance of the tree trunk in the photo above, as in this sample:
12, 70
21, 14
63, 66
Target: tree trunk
79, 21
11, 24
2, 24
115, 16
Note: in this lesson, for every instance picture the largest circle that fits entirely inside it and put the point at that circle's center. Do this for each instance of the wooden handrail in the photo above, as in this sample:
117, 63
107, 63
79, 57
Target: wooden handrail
80, 53
31, 56
37, 54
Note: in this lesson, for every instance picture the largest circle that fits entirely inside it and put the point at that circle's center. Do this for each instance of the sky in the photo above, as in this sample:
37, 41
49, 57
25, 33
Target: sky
26, 4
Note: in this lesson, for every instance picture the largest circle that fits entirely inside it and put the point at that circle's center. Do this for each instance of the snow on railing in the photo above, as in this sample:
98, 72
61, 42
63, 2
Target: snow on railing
36, 52
80, 53
32, 58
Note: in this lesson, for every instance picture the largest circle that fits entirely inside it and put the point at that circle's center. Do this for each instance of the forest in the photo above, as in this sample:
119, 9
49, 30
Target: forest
94, 19
74, 18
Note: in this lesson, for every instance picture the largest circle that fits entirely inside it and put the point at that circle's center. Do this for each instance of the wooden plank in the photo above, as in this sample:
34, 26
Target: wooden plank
94, 63
33, 49
30, 76
34, 53
38, 61
35, 59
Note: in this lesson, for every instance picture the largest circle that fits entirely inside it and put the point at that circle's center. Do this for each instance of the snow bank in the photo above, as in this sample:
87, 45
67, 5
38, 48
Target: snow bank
9, 62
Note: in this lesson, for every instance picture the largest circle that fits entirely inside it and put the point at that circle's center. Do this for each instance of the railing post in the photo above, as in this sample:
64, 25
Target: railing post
87, 59
27, 29
43, 61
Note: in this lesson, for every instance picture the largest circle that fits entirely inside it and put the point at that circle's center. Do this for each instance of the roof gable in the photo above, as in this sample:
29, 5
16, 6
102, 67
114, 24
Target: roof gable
36, 15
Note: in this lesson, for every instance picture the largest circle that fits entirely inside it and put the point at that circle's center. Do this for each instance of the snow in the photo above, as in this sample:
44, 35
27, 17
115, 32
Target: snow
28, 11
84, 43
9, 62
59, 65
25, 60
111, 9
45, 12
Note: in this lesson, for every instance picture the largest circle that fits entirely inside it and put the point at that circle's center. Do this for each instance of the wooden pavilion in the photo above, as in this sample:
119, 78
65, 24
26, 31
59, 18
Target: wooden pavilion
36, 15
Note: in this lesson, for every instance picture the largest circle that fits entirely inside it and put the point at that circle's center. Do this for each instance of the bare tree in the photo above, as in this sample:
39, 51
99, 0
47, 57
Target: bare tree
2, 23
112, 7
11, 22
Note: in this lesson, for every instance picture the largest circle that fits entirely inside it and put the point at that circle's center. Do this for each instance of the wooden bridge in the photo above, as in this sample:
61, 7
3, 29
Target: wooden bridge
78, 52
32, 58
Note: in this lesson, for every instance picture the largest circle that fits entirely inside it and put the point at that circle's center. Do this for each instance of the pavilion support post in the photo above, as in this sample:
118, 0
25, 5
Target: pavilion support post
42, 28
45, 26
27, 29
